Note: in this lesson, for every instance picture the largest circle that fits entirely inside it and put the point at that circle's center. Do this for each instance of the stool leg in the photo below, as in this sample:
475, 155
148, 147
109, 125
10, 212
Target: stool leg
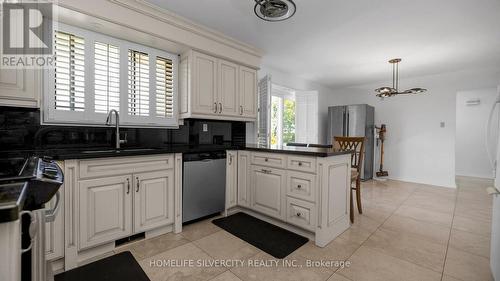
358, 195
351, 207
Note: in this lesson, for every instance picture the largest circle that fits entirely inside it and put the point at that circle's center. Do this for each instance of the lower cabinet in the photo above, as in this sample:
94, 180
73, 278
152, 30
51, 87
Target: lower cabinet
243, 178
153, 200
268, 190
115, 207
105, 210
231, 179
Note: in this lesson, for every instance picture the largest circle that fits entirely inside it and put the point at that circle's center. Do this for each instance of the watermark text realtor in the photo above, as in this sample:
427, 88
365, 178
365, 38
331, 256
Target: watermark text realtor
27, 35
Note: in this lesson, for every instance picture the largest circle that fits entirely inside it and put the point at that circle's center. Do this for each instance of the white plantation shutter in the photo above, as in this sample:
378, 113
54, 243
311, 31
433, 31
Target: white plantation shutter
69, 76
164, 88
106, 77
138, 83
264, 122
306, 116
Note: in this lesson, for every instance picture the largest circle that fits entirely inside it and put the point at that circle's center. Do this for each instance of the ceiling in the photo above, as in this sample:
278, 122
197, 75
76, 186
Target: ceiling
343, 43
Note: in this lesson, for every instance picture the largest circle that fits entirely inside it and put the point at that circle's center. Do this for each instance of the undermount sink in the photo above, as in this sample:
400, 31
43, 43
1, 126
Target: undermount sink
117, 150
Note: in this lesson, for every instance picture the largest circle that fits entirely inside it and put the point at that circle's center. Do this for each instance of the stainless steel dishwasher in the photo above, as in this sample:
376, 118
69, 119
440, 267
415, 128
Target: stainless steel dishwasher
204, 184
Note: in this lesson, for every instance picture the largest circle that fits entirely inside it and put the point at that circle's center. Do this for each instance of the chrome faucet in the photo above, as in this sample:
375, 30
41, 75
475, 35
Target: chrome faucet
117, 133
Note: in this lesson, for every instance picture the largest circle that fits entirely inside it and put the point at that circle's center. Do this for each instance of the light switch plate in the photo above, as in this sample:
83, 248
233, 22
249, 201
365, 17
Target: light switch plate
205, 128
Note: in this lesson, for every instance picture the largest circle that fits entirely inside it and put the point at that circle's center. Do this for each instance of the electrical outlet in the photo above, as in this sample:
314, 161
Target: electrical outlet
205, 128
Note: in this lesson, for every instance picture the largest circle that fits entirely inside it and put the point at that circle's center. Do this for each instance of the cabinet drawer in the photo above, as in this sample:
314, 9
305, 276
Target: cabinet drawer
302, 164
125, 165
301, 213
269, 159
301, 185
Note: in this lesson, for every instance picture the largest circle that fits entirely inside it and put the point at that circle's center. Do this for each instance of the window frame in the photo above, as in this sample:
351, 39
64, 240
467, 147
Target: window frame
51, 116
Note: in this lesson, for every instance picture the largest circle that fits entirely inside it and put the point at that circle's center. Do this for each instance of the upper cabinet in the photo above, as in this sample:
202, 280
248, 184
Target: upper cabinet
214, 88
20, 87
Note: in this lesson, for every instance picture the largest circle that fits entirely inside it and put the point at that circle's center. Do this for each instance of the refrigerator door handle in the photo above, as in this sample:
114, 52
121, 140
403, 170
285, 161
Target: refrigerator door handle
343, 123
347, 126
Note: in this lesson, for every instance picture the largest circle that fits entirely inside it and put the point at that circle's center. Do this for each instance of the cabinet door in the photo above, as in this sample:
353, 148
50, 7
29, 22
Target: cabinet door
204, 89
228, 88
54, 231
243, 178
268, 191
105, 210
248, 92
153, 200
231, 179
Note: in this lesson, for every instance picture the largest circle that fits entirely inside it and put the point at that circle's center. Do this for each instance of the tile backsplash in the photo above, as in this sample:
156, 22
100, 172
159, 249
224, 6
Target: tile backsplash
20, 129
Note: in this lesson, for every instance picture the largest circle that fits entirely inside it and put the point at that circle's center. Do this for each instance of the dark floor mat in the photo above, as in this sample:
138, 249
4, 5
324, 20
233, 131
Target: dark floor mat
120, 267
274, 240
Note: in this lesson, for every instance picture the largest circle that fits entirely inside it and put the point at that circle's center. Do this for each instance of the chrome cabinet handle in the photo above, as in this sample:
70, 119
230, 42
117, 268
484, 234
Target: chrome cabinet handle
138, 183
128, 186
50, 215
230, 159
215, 107
241, 109
220, 109
266, 171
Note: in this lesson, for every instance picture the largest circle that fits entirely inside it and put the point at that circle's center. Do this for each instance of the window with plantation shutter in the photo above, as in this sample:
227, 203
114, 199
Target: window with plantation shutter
164, 88
69, 77
138, 83
95, 73
106, 77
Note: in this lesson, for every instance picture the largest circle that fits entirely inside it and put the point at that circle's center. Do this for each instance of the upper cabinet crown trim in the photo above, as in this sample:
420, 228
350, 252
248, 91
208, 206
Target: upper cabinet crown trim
143, 16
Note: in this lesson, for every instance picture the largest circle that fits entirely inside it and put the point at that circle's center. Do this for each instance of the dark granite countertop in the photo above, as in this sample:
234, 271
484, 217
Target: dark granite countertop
12, 196
298, 150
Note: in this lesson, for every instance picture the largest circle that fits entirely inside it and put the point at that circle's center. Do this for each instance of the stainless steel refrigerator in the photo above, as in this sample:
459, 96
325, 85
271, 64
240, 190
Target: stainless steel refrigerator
354, 121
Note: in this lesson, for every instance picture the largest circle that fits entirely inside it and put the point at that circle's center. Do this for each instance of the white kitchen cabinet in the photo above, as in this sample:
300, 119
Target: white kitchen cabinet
243, 178
105, 210
20, 87
153, 200
204, 84
248, 92
214, 88
228, 88
231, 179
267, 191
54, 231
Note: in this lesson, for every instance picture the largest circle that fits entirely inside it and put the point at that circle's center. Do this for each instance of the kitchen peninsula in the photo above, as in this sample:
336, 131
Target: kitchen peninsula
305, 190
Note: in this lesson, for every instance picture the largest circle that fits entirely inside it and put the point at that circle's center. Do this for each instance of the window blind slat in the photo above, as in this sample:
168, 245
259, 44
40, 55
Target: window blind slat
106, 77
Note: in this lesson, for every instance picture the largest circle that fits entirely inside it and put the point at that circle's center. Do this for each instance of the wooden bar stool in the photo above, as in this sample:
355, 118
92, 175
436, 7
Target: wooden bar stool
357, 146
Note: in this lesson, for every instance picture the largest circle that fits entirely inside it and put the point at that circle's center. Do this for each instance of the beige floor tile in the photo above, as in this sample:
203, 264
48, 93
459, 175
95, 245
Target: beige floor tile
364, 222
186, 252
223, 245
355, 234
338, 250
470, 242
150, 247
370, 265
449, 278
424, 215
476, 226
226, 276
474, 210
466, 266
277, 271
199, 230
431, 202
409, 247
337, 277
432, 231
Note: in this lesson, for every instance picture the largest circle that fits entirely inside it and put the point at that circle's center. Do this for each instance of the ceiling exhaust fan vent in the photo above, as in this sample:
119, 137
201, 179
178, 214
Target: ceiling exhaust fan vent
274, 10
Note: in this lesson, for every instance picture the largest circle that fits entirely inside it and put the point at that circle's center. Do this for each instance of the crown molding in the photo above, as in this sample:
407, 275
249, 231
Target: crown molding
166, 16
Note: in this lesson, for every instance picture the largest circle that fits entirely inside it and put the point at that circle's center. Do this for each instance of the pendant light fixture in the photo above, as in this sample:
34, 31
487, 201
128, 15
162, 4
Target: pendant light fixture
385, 92
274, 10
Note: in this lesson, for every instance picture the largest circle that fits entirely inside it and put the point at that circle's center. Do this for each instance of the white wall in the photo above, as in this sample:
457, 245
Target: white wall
471, 155
417, 148
284, 79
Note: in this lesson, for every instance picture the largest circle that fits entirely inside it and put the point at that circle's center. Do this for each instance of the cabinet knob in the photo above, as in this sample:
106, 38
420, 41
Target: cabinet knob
266, 159
298, 214
299, 186
300, 163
